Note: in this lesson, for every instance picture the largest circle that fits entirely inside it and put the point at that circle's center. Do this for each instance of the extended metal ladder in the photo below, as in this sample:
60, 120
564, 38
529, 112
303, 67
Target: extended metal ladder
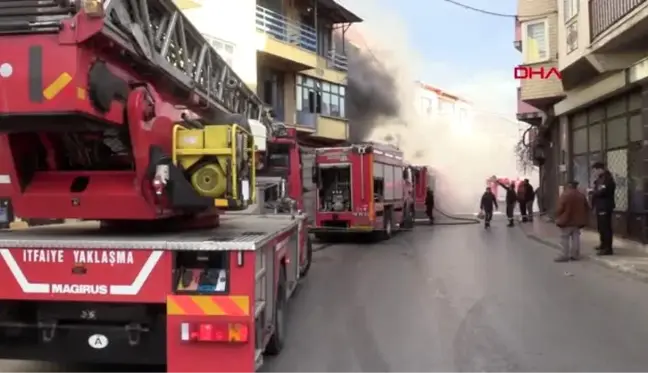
160, 35
160, 39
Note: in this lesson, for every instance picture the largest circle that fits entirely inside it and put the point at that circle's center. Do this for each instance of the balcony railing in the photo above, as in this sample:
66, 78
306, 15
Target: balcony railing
605, 13
338, 60
283, 29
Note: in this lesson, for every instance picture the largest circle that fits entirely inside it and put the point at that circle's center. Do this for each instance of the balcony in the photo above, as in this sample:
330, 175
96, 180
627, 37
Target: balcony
617, 25
296, 43
322, 126
338, 60
332, 128
285, 39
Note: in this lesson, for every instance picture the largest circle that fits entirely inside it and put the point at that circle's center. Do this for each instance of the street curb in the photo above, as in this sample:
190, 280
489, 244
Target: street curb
619, 267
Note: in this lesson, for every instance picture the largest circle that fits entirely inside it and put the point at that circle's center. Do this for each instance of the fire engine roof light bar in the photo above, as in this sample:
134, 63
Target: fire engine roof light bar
158, 32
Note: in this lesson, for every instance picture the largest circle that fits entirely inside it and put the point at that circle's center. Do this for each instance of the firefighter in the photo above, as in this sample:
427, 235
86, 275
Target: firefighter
487, 205
522, 200
511, 199
530, 196
429, 204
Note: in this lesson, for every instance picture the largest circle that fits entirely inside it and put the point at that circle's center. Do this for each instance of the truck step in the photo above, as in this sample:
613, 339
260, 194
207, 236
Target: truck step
258, 359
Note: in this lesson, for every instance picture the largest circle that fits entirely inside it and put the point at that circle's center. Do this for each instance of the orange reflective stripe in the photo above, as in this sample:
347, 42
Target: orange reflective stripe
234, 305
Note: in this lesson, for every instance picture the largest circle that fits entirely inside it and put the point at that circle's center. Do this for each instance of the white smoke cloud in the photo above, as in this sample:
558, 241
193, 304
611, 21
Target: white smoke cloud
462, 157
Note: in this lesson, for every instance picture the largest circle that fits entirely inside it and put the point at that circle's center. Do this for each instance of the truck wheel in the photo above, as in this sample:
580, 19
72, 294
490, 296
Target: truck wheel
411, 217
276, 343
388, 228
323, 237
309, 257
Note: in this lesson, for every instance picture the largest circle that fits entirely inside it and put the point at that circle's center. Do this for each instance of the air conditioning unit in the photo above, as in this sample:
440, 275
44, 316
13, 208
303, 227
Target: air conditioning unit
518, 45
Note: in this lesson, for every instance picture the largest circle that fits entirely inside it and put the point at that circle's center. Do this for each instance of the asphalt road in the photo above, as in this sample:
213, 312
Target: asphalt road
458, 298
463, 299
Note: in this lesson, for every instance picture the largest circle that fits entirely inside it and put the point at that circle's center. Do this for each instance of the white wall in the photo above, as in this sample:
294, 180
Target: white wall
426, 104
583, 29
232, 22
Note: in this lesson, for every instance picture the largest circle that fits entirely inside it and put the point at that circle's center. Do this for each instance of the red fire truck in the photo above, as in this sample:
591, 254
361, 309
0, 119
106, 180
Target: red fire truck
365, 187
121, 114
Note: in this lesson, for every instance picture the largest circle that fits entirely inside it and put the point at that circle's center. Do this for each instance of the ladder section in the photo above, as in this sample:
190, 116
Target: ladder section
25, 16
157, 31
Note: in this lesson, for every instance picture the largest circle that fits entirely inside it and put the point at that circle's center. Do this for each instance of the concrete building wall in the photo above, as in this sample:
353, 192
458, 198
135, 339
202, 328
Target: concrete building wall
572, 47
535, 54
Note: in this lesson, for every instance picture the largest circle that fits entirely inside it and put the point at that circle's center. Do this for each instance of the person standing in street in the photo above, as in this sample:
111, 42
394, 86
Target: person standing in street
522, 200
511, 199
487, 205
530, 195
572, 214
604, 205
429, 204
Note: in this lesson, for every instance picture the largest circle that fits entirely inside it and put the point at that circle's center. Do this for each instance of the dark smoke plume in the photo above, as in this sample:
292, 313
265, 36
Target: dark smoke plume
371, 92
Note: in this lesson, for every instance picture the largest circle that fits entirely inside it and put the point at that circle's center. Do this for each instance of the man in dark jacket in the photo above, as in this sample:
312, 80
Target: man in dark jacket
429, 204
572, 214
604, 205
487, 204
529, 196
522, 200
511, 199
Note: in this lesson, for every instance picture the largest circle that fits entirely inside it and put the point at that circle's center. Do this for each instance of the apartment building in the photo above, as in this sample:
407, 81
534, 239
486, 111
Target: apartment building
432, 102
604, 69
287, 50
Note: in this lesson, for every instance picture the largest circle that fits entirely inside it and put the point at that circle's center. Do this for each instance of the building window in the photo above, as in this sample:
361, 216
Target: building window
463, 115
225, 49
426, 106
570, 9
446, 107
535, 41
321, 97
571, 36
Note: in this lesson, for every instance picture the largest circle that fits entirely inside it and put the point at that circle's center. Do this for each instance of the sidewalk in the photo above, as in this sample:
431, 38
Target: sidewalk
629, 256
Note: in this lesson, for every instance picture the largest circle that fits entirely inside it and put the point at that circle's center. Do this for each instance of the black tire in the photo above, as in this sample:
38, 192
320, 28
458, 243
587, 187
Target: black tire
408, 217
322, 237
309, 258
276, 343
388, 226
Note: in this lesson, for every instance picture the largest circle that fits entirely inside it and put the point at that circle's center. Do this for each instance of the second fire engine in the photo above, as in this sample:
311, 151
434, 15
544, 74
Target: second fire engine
365, 187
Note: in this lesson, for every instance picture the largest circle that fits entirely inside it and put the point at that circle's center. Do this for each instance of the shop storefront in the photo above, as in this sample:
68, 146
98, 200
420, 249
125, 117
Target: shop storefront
612, 132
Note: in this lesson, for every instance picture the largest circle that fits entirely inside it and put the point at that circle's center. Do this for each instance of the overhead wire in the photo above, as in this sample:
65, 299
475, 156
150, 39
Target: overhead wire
498, 14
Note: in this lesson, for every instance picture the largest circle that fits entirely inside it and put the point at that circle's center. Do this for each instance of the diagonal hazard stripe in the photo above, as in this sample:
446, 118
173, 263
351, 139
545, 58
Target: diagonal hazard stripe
57, 86
209, 307
236, 305
184, 305
173, 308
243, 302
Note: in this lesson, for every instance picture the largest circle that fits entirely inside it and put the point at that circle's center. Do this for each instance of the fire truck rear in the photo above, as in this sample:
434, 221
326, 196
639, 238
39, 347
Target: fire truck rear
119, 113
365, 187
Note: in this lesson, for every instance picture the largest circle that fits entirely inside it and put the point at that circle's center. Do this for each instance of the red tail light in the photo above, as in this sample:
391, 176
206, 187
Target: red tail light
214, 332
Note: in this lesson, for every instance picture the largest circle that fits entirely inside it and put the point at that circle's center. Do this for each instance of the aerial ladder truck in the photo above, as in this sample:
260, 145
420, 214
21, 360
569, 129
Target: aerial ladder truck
120, 114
